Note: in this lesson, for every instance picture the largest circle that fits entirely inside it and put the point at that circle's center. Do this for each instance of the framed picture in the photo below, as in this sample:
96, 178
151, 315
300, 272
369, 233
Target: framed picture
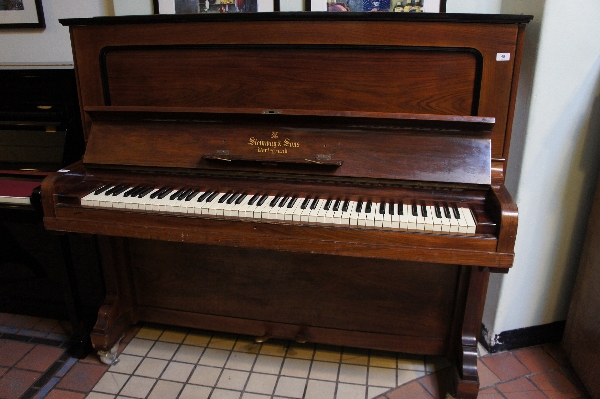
21, 14
411, 6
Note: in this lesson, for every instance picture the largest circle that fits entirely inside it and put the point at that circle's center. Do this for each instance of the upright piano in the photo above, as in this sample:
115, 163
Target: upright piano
328, 178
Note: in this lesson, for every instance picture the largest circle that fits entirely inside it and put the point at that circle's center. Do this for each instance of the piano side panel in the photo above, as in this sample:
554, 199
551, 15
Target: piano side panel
384, 297
319, 77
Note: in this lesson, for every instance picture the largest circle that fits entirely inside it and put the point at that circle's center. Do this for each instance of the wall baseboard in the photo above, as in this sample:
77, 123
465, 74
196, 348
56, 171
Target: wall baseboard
522, 337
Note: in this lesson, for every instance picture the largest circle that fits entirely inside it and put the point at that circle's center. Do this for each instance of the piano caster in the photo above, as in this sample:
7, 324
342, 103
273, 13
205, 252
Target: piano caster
262, 339
110, 356
300, 338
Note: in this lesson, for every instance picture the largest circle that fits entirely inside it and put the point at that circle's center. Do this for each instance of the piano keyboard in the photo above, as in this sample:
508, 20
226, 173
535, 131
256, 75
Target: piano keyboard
402, 215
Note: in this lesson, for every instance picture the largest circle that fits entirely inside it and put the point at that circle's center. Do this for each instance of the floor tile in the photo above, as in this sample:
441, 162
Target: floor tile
486, 377
98, 395
241, 361
382, 359
355, 356
324, 371
205, 375
350, 391
150, 332
127, 364
246, 345
188, 354
353, 374
176, 371
411, 390
290, 387
373, 392
23, 322
197, 339
15, 382
225, 394
408, 362
223, 341
382, 377
440, 384
82, 377
261, 383
111, 383
320, 390
40, 358
296, 368
328, 353
490, 393
138, 387
248, 395
405, 376
505, 366
267, 364
165, 390
536, 359
138, 347
3, 370
163, 350
520, 388
12, 351
150, 367
233, 379
555, 385
301, 351
274, 348
214, 357
195, 392
60, 394
173, 336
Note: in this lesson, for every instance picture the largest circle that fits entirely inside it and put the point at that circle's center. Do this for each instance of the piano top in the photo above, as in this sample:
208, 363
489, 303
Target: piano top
303, 16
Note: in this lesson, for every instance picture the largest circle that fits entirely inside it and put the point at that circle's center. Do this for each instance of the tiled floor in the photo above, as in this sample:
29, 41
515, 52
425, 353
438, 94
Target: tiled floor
167, 363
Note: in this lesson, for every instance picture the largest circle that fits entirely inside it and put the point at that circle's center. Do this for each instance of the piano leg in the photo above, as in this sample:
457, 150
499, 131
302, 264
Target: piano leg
116, 314
466, 376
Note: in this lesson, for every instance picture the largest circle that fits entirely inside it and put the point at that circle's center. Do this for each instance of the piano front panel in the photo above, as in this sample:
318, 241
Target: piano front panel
360, 78
303, 290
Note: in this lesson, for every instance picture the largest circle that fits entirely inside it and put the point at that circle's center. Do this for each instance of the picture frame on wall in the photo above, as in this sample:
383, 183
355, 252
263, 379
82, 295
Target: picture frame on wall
21, 14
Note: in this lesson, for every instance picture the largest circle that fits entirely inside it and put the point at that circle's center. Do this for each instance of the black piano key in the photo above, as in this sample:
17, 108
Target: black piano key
114, 188
145, 192
447, 212
359, 206
184, 194
314, 203
283, 201
262, 200
455, 211
131, 190
203, 196
336, 205
231, 199
192, 195
102, 189
165, 193
327, 204
225, 196
400, 208
240, 199
274, 201
415, 212
382, 208
305, 203
438, 213
176, 194
346, 206
119, 191
368, 207
423, 210
253, 199
391, 208
158, 192
212, 196
293, 201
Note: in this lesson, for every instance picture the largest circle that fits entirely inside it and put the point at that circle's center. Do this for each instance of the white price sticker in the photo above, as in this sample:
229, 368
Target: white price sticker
502, 56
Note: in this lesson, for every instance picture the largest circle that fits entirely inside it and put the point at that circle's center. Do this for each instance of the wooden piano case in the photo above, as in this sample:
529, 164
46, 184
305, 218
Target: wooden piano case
375, 105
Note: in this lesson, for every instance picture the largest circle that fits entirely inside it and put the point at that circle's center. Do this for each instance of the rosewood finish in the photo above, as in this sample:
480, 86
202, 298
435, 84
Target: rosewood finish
361, 107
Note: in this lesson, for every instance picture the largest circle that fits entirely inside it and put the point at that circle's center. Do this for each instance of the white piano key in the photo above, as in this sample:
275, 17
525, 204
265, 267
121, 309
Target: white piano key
314, 211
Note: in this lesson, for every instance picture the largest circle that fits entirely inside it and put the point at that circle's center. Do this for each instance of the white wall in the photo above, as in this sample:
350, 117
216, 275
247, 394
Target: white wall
554, 160
51, 45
